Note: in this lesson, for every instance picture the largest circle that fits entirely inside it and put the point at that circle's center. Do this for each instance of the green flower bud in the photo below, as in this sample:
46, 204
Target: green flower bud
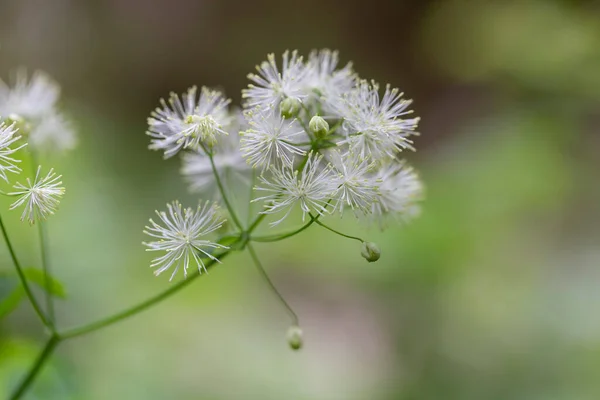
370, 251
294, 337
289, 107
318, 126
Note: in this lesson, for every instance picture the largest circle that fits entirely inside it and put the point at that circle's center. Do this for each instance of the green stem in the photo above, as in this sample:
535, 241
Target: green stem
338, 232
22, 278
82, 330
46, 268
37, 366
264, 274
234, 217
41, 228
256, 222
278, 237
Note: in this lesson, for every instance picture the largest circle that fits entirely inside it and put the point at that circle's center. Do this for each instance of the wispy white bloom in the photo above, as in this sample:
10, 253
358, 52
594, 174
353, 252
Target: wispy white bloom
312, 188
186, 121
7, 139
53, 133
29, 98
181, 237
399, 192
355, 187
271, 139
231, 166
41, 197
323, 80
272, 85
374, 127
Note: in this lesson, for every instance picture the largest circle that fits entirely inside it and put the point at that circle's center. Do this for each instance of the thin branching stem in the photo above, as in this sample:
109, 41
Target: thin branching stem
234, 217
44, 253
277, 237
22, 277
338, 232
51, 344
276, 292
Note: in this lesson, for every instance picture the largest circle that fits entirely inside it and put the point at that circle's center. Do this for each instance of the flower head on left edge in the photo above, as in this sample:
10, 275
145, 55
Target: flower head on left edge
182, 236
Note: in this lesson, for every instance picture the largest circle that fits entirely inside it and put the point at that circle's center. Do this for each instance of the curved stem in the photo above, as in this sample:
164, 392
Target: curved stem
22, 278
278, 237
46, 268
41, 228
265, 276
82, 330
234, 217
37, 366
338, 232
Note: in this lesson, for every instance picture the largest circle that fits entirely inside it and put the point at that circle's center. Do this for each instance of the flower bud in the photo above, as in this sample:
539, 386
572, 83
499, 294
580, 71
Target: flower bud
289, 107
318, 126
294, 337
370, 251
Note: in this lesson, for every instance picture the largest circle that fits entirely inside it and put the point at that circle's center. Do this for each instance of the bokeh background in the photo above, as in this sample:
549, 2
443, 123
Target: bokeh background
492, 294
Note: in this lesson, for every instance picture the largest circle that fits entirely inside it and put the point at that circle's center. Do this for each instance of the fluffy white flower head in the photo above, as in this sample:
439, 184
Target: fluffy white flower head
399, 193
187, 121
29, 98
7, 138
312, 188
53, 133
41, 197
182, 237
373, 126
322, 77
271, 139
271, 86
355, 188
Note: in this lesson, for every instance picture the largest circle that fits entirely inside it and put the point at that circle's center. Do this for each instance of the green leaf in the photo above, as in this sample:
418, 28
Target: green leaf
37, 276
10, 302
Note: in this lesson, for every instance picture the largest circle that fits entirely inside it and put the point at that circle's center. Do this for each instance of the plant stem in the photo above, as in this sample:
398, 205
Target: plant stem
22, 278
82, 330
41, 228
51, 344
234, 217
264, 274
338, 232
278, 237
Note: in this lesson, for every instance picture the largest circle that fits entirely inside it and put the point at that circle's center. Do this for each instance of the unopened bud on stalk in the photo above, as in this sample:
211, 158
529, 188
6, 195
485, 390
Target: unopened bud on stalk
318, 126
289, 107
294, 337
370, 251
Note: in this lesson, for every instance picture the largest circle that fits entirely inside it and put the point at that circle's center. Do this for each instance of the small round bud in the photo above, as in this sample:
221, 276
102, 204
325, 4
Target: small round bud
370, 251
318, 126
294, 337
289, 107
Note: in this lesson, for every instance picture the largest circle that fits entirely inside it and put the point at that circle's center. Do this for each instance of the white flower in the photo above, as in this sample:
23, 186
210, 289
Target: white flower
41, 197
185, 122
272, 86
29, 98
399, 193
324, 79
355, 188
311, 189
231, 166
271, 139
182, 237
373, 126
7, 138
53, 133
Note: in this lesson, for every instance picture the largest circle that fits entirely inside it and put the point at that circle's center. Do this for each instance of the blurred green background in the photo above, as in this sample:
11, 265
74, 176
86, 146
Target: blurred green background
491, 294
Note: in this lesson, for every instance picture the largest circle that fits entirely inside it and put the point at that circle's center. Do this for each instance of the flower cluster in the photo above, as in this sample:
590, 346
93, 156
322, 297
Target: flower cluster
30, 120
316, 136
